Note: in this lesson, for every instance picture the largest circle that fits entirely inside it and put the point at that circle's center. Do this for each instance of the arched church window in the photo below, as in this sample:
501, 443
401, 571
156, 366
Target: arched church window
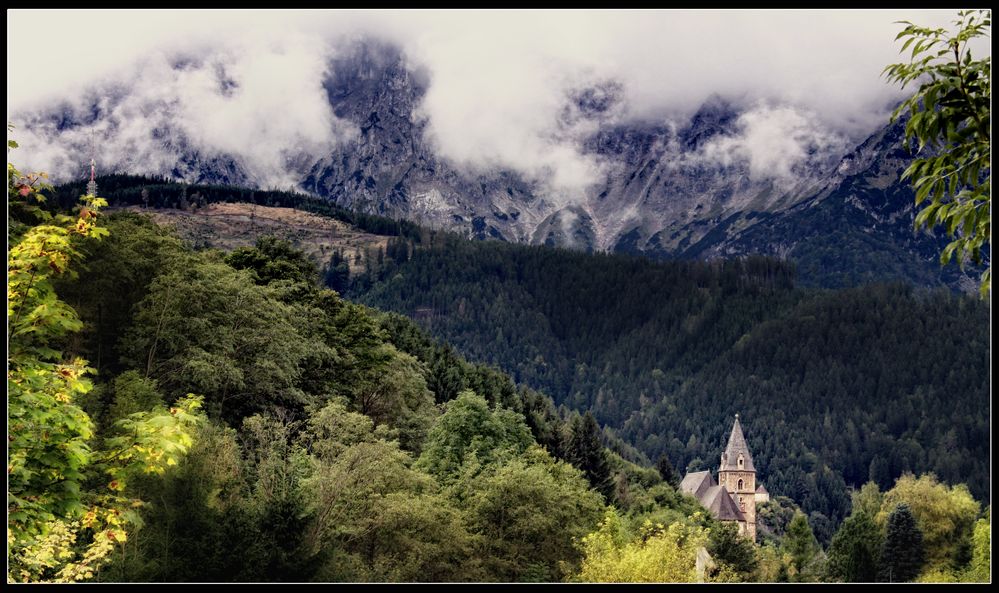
740, 484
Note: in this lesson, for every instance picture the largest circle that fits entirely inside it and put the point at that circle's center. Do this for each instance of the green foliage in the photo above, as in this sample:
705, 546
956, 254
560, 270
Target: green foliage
661, 554
950, 116
150, 441
902, 555
801, 545
980, 570
728, 547
867, 500
772, 564
317, 484
332, 402
132, 393
586, 451
115, 276
773, 518
529, 512
48, 447
273, 259
415, 538
833, 384
208, 328
395, 393
855, 551
945, 516
61, 527
470, 429
668, 473
224, 497
346, 495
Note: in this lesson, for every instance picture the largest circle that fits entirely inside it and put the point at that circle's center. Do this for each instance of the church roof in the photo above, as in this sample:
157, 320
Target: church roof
736, 445
718, 500
715, 498
697, 483
762, 490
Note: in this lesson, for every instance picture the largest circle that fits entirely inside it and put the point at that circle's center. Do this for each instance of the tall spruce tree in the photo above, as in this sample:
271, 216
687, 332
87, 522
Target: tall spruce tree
729, 548
902, 554
800, 543
855, 551
667, 471
587, 453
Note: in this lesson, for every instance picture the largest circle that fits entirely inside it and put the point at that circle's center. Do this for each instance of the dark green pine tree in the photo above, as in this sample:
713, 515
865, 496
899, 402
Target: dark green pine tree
728, 547
855, 551
902, 554
444, 377
800, 543
586, 452
337, 274
668, 473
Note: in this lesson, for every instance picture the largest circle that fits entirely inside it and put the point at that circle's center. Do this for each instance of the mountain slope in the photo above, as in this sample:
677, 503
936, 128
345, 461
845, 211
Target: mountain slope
839, 386
857, 228
666, 189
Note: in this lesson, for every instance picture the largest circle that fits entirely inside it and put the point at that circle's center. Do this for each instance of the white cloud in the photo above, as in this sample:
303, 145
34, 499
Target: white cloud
772, 141
499, 79
255, 98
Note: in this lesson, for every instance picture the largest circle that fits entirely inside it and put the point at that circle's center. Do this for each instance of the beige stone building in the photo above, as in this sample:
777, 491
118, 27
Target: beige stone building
735, 496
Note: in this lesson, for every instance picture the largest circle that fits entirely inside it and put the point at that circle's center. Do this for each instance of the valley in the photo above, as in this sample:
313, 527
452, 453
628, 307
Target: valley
499, 296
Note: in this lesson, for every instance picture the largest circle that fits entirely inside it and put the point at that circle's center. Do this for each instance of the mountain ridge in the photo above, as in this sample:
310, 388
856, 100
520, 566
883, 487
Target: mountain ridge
665, 191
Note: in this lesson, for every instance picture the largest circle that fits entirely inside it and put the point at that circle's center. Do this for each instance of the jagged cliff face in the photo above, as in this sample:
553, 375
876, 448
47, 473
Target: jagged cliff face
665, 190
391, 168
664, 195
657, 194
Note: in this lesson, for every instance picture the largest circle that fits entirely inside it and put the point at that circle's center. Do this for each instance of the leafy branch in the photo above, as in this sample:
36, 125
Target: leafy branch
950, 118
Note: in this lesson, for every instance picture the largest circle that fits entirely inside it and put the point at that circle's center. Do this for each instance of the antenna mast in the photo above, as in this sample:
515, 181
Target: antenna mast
92, 185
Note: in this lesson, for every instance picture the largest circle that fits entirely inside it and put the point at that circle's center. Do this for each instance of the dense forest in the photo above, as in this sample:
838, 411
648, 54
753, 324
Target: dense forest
835, 388
187, 415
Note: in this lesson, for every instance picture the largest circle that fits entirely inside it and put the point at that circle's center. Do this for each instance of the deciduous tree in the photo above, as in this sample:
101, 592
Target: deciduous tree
950, 117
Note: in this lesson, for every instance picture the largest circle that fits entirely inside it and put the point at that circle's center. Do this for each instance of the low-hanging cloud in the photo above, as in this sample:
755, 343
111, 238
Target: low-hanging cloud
772, 142
256, 100
500, 82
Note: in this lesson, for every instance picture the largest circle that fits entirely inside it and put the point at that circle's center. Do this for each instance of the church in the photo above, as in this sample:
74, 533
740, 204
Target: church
735, 496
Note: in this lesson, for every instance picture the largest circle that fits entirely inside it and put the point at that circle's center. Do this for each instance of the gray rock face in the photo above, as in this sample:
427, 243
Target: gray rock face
654, 198
845, 216
855, 227
391, 169
657, 196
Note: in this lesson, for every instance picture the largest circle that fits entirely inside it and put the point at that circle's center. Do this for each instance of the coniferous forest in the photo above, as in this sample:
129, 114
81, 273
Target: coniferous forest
531, 424
836, 387
446, 297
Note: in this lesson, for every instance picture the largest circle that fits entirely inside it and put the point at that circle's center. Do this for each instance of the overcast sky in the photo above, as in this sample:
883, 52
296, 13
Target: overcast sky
498, 78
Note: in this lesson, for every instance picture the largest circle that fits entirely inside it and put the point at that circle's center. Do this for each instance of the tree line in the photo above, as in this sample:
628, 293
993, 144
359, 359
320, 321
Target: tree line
837, 387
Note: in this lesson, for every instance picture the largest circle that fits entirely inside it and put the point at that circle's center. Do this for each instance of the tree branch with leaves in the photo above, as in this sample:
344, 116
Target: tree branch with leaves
950, 118
57, 528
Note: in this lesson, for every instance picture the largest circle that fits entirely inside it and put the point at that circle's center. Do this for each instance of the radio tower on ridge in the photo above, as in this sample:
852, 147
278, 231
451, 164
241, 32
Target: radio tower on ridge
92, 185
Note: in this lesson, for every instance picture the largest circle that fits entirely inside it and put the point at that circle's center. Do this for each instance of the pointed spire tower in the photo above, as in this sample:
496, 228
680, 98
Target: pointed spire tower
738, 475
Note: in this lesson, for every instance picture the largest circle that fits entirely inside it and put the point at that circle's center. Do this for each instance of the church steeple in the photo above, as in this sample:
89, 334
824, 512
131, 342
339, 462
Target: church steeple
738, 475
737, 479
736, 456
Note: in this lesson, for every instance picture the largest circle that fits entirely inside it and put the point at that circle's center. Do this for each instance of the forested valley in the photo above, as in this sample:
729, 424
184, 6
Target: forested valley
836, 387
244, 421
